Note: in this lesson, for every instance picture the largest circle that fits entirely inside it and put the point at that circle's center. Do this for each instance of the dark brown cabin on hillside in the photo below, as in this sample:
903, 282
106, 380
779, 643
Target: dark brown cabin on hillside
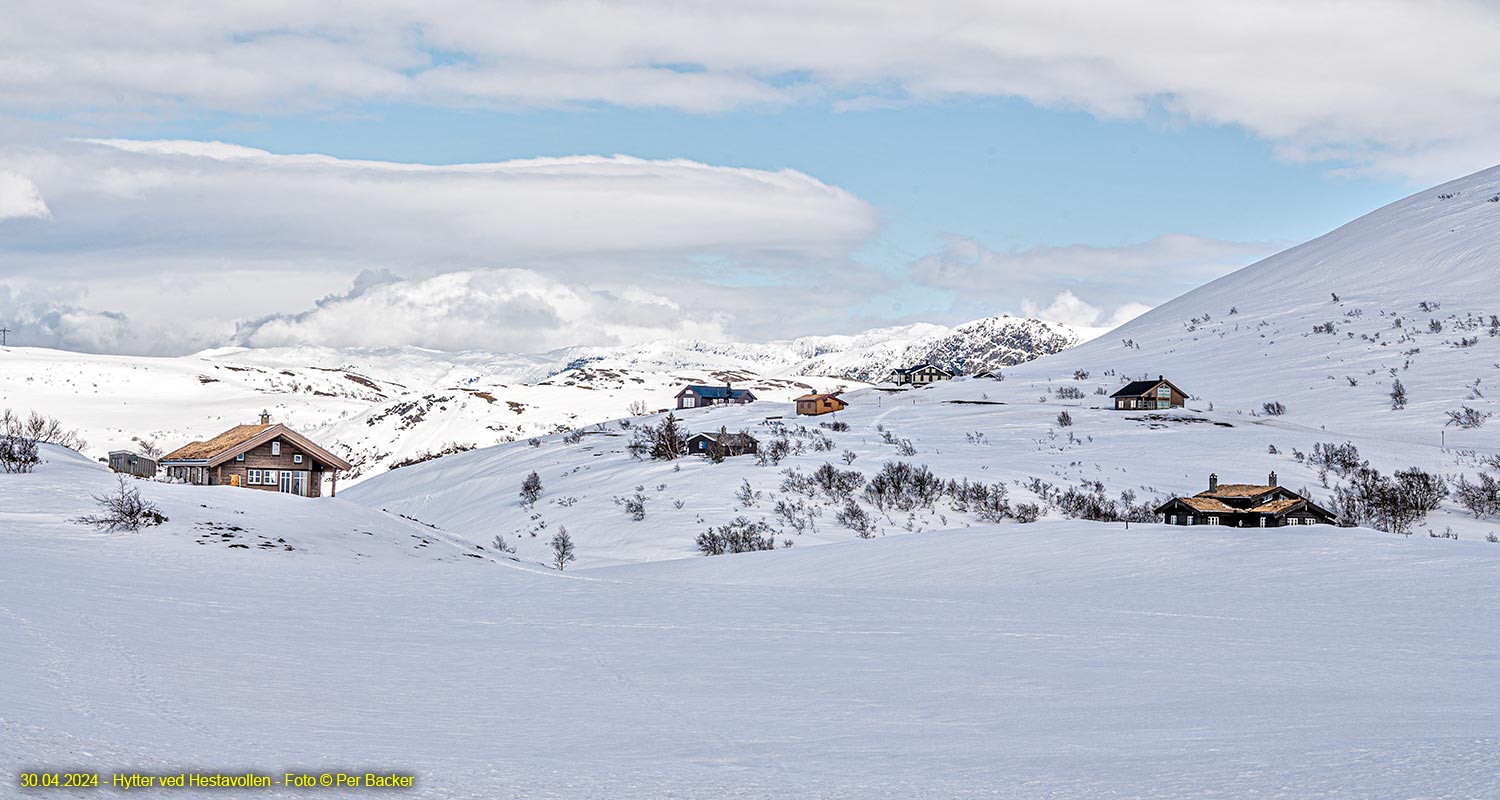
813, 405
1245, 505
1159, 394
728, 444
919, 375
272, 458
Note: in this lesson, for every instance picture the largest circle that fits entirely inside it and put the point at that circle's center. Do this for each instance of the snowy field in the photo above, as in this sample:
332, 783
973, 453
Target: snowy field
1054, 660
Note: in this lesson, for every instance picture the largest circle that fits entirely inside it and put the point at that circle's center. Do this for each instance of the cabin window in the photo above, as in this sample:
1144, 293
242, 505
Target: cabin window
240, 458
269, 478
1263, 522
1212, 520
275, 448
252, 477
1171, 519
297, 459
1162, 391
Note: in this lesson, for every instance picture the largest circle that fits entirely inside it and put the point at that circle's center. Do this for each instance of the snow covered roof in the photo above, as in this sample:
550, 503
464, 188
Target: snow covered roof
923, 365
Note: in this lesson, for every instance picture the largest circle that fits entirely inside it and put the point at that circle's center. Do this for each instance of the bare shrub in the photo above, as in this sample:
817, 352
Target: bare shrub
1028, 512
123, 510
739, 535
1064, 419
1466, 417
854, 517
902, 486
1069, 393
531, 489
1274, 408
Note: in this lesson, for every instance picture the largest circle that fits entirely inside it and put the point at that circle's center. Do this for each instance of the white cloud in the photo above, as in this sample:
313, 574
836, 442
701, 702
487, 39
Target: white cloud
1091, 286
20, 199
499, 310
1401, 85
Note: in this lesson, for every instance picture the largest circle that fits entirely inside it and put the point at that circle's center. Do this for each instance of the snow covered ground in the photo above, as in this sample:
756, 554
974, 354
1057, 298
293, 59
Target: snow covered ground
381, 407
1325, 329
1054, 660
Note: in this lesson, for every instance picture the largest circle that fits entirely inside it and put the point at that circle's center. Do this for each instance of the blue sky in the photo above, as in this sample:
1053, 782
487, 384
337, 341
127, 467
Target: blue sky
792, 169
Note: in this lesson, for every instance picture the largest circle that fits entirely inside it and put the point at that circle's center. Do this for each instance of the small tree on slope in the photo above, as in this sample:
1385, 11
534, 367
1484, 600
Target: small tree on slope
531, 489
562, 549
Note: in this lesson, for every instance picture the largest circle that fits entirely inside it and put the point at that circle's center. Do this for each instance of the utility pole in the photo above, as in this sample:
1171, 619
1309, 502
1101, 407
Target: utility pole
3, 333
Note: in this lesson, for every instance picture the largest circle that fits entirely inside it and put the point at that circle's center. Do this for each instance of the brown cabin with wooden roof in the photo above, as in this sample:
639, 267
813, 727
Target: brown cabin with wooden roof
1245, 505
813, 405
1159, 394
269, 457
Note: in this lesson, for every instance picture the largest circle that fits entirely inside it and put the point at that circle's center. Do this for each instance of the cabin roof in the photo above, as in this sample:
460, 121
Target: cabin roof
1142, 388
1203, 504
822, 396
716, 392
923, 365
1276, 506
1238, 490
729, 438
242, 438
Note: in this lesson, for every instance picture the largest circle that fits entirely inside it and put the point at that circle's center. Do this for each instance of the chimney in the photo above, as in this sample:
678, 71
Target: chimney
1272, 480
265, 418
1213, 481
1161, 377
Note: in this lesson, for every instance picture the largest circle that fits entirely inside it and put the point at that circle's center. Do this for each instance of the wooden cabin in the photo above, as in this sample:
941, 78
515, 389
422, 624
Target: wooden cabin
728, 444
1159, 394
128, 463
696, 396
269, 457
919, 375
813, 405
1245, 505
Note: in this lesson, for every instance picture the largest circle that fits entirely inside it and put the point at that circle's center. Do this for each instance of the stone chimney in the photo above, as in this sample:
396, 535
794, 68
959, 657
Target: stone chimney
1213, 481
265, 418
1272, 480
1161, 377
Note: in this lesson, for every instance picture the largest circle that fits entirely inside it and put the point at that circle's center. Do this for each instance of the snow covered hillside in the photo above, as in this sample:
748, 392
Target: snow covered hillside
385, 407
1062, 659
1324, 330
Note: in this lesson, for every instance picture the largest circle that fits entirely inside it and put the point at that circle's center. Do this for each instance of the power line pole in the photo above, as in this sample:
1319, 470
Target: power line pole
3, 333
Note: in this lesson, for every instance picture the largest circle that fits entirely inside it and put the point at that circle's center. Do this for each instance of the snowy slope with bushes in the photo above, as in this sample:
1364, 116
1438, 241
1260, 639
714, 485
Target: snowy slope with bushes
1291, 363
1061, 659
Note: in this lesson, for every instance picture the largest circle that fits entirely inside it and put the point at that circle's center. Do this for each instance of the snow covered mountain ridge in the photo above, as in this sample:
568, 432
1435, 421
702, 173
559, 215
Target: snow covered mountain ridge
391, 406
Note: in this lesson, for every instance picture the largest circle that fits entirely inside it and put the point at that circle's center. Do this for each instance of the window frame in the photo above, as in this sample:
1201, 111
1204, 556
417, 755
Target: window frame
276, 449
252, 477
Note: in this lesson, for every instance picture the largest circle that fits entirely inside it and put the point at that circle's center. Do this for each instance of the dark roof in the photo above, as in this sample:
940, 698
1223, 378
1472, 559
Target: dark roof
730, 439
1139, 388
923, 365
717, 392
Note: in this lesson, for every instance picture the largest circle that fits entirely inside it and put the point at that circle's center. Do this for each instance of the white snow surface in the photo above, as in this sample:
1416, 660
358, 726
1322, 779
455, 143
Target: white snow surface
384, 406
1054, 660
1234, 345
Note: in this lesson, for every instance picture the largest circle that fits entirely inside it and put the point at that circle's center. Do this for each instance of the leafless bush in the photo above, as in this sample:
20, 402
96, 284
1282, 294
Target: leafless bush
1069, 393
740, 535
123, 510
1273, 409
854, 517
1064, 419
1482, 497
1467, 417
1028, 512
503, 546
21, 439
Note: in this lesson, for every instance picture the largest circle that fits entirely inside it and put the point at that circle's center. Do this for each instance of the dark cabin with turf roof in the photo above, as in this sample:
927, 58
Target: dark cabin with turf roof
728, 444
1159, 394
269, 457
696, 396
1245, 505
